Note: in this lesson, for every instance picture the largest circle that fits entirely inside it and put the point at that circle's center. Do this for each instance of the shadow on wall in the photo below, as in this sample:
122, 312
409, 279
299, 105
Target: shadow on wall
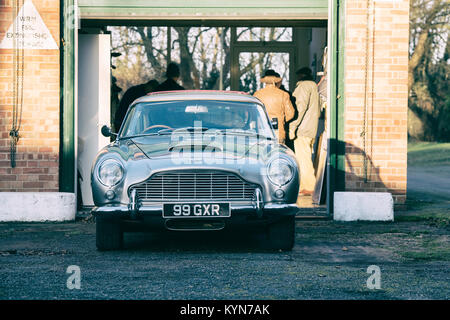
360, 173
36, 170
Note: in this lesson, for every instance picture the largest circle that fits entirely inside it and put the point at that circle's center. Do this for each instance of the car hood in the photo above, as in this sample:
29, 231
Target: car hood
229, 147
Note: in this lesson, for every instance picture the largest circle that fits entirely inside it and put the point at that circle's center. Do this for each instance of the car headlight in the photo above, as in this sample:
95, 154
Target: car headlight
280, 172
110, 172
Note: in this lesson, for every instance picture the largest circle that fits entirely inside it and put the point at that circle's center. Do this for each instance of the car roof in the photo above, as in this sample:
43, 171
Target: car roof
198, 95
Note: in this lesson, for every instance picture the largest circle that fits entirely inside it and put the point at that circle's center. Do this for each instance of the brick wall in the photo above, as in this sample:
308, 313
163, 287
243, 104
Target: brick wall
387, 96
38, 147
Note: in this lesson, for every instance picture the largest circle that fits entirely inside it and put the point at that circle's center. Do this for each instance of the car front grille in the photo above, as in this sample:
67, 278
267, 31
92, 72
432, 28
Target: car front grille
194, 185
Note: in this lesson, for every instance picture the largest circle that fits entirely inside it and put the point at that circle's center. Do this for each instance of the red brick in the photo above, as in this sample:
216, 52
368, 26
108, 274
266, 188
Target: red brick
389, 120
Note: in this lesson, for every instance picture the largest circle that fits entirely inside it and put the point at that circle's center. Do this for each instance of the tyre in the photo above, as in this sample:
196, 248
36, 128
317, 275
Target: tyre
109, 233
280, 235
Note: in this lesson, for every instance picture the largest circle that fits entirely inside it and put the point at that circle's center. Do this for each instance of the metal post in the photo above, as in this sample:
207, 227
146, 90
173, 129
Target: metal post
221, 59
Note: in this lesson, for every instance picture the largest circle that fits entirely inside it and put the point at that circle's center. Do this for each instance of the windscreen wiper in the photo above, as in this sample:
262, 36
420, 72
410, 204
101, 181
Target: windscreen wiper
145, 135
244, 133
191, 129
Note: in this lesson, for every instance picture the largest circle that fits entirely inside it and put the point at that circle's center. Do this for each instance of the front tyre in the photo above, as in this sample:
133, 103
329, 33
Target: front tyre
280, 235
109, 233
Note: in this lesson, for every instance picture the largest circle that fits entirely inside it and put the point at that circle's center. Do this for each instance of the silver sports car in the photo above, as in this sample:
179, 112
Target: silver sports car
196, 160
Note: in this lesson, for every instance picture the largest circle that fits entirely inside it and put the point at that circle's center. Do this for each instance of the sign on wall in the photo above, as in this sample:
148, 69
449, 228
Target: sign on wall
30, 29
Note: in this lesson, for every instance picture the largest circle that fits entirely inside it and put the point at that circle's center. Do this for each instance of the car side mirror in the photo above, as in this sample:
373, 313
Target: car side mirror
274, 123
106, 131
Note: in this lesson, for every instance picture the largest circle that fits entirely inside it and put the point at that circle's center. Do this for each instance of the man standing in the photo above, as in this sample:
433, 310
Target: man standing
303, 130
277, 101
128, 97
172, 74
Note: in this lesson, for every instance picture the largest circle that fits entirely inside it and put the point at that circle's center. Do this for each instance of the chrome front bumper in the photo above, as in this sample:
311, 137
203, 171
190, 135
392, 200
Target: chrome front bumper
156, 209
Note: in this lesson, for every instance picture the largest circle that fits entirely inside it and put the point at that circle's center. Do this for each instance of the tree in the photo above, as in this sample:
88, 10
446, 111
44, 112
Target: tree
428, 70
200, 51
196, 49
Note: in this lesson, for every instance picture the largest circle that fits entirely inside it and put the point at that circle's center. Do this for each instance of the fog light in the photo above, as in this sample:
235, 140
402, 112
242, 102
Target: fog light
110, 194
279, 193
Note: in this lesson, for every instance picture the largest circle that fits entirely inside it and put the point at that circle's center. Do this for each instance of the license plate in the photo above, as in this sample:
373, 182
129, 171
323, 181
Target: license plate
206, 210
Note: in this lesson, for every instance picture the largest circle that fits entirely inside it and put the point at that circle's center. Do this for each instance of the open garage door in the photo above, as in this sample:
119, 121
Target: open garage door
308, 18
203, 9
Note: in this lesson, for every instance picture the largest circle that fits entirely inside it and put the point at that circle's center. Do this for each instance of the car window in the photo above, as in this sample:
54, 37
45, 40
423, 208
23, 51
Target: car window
150, 117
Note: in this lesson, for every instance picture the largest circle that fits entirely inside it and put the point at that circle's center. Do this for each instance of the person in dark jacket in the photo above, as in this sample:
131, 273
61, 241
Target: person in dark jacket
129, 96
172, 74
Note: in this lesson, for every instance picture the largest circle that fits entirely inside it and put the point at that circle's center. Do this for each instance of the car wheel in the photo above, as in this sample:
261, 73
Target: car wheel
109, 233
280, 235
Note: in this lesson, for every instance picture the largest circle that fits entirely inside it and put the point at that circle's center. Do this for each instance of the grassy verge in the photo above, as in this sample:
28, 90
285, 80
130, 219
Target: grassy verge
429, 154
429, 249
441, 219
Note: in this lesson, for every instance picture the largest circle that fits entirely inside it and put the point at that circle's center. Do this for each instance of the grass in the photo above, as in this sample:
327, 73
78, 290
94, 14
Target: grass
428, 153
437, 255
414, 203
434, 219
433, 213
435, 249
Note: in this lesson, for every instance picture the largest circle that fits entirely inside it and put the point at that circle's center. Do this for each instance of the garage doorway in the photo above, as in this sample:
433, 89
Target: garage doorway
323, 15
210, 57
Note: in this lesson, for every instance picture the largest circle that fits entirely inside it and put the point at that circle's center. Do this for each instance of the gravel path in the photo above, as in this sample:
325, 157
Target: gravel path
329, 261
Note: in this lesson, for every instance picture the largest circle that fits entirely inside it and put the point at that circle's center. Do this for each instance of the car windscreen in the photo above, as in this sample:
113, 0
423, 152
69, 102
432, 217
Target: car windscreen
152, 117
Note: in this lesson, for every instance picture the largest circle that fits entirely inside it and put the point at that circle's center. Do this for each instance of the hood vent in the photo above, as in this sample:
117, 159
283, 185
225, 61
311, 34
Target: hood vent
195, 147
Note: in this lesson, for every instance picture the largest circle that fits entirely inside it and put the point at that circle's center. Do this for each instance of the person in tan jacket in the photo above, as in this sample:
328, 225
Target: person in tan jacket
277, 101
303, 129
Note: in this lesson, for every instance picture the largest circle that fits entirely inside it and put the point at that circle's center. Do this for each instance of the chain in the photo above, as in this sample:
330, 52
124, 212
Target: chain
372, 87
18, 78
363, 133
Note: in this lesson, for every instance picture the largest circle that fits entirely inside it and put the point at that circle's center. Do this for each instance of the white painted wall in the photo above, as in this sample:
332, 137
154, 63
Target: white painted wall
93, 103
303, 37
311, 43
37, 206
364, 206
316, 47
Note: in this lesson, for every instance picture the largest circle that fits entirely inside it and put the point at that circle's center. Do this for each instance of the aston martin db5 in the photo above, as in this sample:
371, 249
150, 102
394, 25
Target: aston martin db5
195, 160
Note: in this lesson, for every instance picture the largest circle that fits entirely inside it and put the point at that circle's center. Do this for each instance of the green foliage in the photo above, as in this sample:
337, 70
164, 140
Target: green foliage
428, 153
429, 68
444, 123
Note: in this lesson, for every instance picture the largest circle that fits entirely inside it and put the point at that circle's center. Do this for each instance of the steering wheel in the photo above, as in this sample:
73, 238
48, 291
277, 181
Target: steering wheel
156, 126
